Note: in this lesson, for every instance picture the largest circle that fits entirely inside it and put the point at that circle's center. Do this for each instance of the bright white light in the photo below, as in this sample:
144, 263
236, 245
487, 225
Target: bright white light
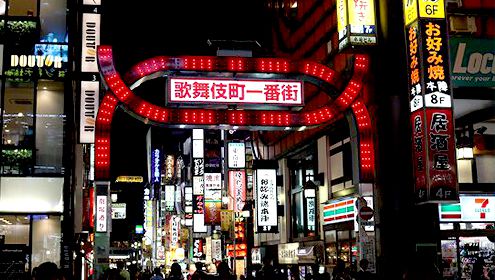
182, 126
301, 128
287, 128
114, 197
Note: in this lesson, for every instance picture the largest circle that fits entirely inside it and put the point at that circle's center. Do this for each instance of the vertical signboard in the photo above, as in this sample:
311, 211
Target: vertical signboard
90, 41
188, 208
101, 213
356, 22
237, 189
236, 155
198, 248
198, 189
266, 200
430, 101
155, 166
89, 108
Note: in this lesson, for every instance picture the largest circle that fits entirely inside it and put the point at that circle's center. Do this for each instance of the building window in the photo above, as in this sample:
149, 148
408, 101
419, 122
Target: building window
49, 127
33, 137
341, 165
304, 201
23, 8
53, 21
18, 134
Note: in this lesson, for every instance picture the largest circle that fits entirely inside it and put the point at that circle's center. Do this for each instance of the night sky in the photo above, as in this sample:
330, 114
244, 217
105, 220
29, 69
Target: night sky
147, 28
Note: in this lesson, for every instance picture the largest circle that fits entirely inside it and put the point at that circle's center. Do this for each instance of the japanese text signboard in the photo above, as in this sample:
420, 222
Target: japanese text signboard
237, 155
356, 22
155, 166
238, 92
101, 213
430, 96
237, 189
266, 199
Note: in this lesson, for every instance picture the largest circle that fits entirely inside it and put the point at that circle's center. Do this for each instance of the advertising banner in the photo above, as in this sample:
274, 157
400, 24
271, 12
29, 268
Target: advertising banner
90, 92
473, 62
90, 40
472, 208
237, 189
266, 200
430, 96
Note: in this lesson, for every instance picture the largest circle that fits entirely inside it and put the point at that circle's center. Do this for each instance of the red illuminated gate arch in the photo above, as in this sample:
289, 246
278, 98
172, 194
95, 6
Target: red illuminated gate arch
119, 93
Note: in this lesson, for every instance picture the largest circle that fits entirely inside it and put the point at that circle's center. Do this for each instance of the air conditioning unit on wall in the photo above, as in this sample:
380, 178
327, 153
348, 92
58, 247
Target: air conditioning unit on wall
453, 3
462, 24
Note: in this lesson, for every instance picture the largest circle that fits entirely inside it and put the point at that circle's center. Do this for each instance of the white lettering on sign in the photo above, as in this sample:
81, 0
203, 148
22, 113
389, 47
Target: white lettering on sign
156, 166
36, 60
223, 91
477, 62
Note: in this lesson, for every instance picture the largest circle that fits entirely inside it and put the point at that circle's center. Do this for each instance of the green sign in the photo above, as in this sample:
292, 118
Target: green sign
472, 62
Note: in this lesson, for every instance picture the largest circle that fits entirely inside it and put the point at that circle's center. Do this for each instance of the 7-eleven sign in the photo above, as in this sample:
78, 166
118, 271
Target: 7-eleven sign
470, 209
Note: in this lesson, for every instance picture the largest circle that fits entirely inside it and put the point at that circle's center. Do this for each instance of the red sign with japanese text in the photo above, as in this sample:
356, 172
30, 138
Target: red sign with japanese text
238, 92
432, 121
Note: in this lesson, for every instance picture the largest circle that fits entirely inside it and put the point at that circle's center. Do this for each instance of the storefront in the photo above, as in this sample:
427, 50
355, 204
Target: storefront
340, 236
468, 233
299, 260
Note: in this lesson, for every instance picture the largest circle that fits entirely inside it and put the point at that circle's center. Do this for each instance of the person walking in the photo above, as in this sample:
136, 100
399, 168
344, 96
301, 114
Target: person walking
339, 272
224, 272
122, 271
157, 274
175, 272
363, 273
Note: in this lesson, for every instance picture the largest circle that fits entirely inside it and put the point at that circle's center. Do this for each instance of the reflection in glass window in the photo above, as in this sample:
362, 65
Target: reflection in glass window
15, 229
3, 5
46, 240
1, 59
17, 136
23, 8
53, 21
49, 127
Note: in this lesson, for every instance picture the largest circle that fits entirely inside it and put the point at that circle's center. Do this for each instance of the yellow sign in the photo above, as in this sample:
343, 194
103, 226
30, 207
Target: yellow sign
226, 218
431, 9
342, 18
129, 179
361, 13
410, 11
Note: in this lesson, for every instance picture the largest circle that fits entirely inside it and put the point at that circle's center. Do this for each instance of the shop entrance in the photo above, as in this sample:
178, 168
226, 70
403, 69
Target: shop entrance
468, 248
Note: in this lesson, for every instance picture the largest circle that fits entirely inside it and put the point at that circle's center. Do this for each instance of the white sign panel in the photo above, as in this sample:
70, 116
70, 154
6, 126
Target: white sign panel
118, 211
216, 249
478, 208
237, 155
266, 199
175, 230
90, 41
169, 197
213, 186
287, 253
89, 108
198, 185
224, 91
92, 2
101, 213
470, 209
